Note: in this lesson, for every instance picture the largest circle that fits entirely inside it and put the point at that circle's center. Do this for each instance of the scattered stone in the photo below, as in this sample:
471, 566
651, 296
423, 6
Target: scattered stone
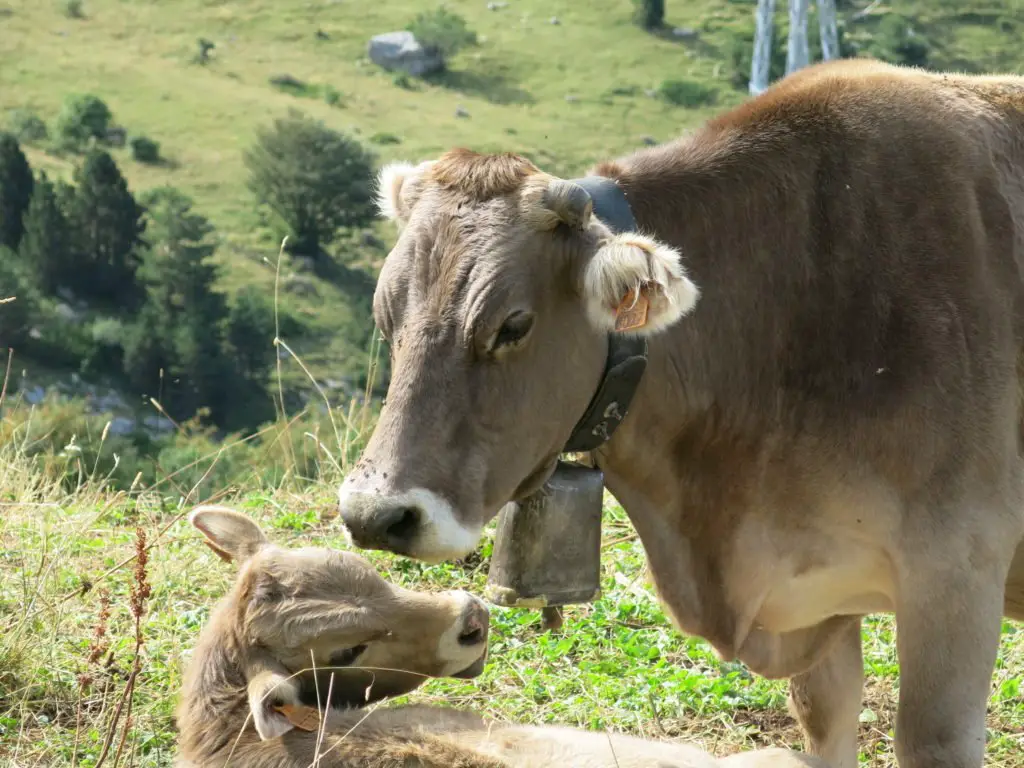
554, 20
158, 424
650, 141
685, 33
460, 111
650, 93
35, 395
402, 51
321, 35
496, 6
66, 312
571, 98
122, 425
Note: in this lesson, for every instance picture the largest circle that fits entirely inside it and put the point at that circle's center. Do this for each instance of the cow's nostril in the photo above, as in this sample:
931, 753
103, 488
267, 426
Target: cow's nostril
471, 637
405, 525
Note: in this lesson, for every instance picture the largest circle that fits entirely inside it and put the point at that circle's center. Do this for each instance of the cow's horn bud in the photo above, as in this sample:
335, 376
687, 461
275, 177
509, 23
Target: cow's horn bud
570, 202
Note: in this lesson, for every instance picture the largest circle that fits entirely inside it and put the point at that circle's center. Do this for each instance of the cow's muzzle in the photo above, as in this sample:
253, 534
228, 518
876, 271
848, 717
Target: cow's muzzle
416, 523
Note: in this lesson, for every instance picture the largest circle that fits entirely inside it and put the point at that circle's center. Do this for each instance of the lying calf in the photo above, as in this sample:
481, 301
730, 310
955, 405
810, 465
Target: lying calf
302, 626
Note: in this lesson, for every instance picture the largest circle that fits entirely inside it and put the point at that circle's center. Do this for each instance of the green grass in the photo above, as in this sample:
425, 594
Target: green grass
617, 664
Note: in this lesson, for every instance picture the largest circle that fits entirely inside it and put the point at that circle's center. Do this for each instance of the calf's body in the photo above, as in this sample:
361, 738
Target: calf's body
830, 421
321, 632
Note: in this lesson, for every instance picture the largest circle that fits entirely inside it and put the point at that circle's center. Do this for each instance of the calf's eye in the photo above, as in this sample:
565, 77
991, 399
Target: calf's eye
515, 328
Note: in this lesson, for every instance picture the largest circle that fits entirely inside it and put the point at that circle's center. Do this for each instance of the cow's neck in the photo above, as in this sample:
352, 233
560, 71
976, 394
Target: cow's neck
707, 411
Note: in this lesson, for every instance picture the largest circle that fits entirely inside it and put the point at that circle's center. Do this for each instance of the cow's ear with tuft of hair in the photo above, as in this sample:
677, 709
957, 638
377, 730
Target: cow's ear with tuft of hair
398, 187
232, 535
634, 284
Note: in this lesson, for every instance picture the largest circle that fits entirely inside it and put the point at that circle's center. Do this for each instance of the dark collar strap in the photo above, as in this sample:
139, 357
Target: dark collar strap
627, 354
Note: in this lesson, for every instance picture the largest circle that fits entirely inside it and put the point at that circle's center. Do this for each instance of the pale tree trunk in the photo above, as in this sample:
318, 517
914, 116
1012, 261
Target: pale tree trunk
761, 61
797, 54
829, 31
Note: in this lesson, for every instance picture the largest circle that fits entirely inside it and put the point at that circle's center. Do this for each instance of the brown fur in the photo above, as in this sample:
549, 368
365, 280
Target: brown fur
288, 604
832, 429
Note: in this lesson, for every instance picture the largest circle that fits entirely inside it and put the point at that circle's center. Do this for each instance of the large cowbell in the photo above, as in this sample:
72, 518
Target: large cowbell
547, 549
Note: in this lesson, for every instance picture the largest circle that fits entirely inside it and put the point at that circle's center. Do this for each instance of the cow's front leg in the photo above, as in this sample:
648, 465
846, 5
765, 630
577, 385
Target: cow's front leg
948, 619
826, 699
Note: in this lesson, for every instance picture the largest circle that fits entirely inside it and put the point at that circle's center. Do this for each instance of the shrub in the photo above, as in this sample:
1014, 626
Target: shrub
203, 48
649, 14
73, 9
27, 126
145, 150
442, 31
385, 138
687, 93
83, 117
332, 96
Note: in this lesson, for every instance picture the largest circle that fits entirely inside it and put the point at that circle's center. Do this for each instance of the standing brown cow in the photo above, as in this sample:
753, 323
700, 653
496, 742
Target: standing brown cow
831, 426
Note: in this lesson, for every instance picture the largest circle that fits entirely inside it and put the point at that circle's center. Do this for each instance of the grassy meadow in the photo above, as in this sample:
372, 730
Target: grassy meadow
617, 664
566, 94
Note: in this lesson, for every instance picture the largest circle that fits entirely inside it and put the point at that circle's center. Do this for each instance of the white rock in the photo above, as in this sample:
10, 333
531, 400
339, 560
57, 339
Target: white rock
402, 51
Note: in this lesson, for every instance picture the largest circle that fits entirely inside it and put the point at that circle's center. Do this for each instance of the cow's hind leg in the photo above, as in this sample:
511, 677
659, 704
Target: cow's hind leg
826, 699
948, 619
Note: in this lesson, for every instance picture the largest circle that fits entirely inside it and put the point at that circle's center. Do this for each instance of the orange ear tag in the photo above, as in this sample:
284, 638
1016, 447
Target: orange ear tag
303, 718
632, 311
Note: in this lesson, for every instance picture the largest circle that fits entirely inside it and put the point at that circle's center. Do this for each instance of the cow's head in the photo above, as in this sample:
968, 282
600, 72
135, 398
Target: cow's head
496, 302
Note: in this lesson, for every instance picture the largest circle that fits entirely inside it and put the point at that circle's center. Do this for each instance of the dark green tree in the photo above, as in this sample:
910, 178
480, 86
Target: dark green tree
46, 245
315, 179
17, 302
181, 326
15, 190
251, 334
107, 225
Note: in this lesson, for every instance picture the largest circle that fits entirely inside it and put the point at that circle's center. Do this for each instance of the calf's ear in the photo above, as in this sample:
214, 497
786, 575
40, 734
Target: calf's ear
634, 284
273, 696
398, 187
232, 535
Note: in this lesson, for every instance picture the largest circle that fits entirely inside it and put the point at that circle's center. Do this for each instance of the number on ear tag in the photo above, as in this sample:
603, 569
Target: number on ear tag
632, 310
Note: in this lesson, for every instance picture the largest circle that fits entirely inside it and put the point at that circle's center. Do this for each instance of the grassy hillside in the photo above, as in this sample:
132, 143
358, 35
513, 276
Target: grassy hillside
564, 93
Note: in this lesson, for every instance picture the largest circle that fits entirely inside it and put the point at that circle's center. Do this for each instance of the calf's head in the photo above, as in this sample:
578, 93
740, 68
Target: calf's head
496, 302
306, 621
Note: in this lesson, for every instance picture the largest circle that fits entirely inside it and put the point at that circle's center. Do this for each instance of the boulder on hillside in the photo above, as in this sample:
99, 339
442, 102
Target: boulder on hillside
402, 51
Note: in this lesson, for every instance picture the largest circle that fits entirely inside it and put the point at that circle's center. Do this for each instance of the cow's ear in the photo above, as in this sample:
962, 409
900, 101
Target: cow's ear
398, 188
634, 284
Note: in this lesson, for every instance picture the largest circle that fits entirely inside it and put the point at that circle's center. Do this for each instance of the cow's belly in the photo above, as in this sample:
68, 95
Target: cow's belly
849, 579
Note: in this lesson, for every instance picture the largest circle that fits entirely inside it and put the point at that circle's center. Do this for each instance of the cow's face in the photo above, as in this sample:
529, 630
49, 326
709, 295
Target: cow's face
496, 303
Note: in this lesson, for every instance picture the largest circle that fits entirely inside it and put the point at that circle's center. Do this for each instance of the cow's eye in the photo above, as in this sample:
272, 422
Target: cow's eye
515, 328
347, 657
